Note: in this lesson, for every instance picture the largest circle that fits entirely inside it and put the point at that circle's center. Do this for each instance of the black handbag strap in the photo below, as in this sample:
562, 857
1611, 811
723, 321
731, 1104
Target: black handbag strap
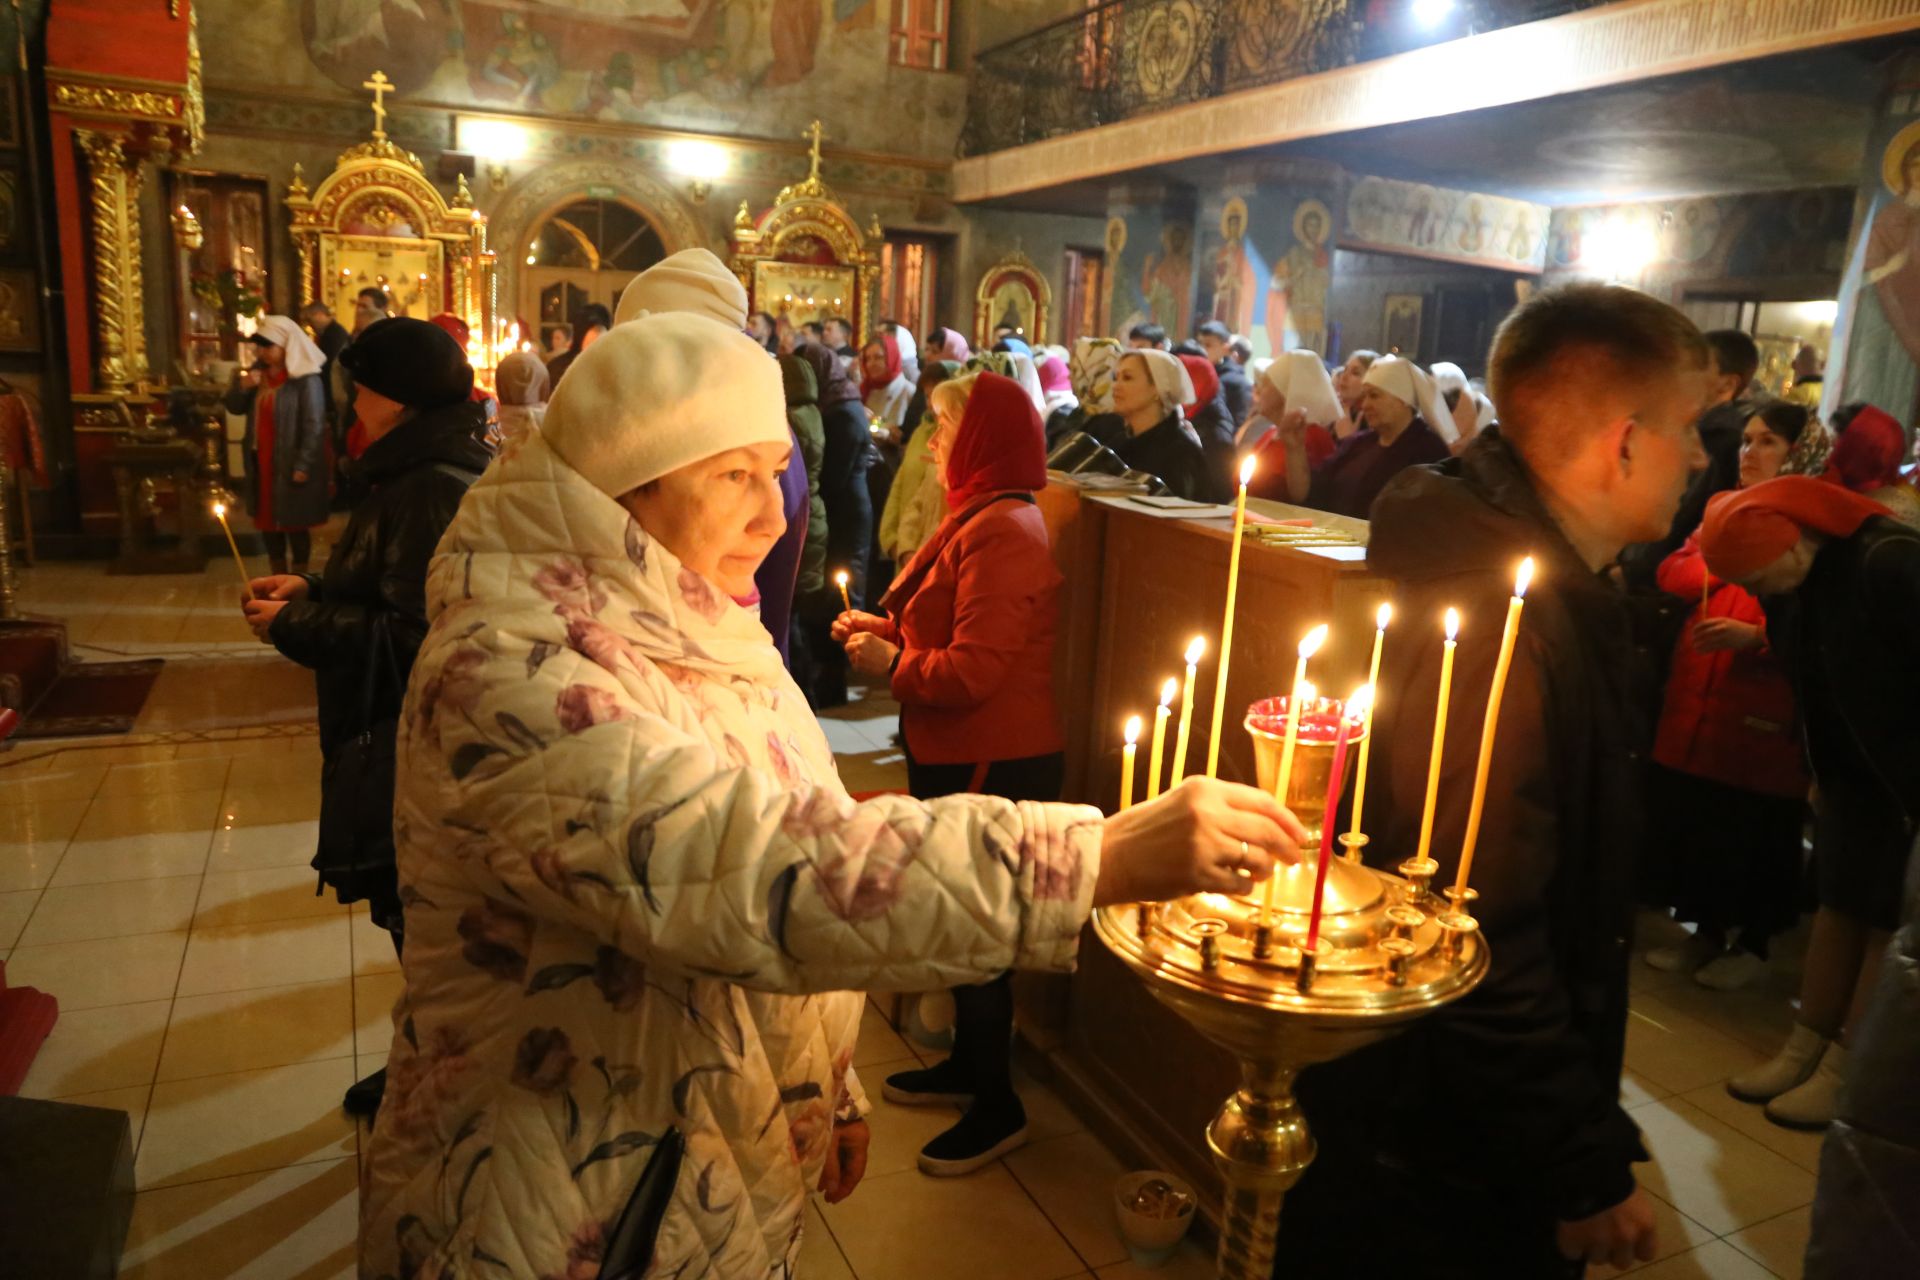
379, 646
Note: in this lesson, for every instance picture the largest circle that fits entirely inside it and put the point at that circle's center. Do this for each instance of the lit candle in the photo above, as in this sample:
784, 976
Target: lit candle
1156, 757
840, 580
1380, 621
1195, 651
1126, 762
1439, 734
1226, 627
1356, 705
1500, 666
246, 579
1296, 703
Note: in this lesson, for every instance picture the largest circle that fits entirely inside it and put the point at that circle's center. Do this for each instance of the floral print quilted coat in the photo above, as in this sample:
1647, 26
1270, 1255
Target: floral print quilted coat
638, 900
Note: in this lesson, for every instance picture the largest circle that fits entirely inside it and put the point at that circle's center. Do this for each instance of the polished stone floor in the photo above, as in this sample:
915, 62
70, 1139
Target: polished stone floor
157, 884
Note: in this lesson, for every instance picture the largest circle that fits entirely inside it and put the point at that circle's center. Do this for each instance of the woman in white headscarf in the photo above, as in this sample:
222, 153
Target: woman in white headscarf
521, 383
1295, 409
1402, 406
1149, 390
286, 444
1027, 374
1469, 409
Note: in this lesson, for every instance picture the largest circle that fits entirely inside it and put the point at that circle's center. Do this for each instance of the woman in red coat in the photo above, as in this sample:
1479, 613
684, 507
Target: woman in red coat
1730, 779
967, 644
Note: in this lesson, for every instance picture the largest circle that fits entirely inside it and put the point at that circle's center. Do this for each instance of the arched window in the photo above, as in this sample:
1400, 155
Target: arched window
584, 254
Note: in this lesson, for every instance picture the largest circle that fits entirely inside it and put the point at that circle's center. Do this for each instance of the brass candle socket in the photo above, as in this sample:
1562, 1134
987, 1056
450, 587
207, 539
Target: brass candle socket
1355, 843
1419, 873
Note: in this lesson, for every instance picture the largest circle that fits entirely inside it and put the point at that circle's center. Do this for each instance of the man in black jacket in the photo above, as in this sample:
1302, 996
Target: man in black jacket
359, 624
1499, 1115
1216, 340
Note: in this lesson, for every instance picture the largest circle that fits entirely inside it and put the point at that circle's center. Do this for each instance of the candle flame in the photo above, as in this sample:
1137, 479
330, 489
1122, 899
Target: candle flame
1247, 467
1167, 690
841, 578
1383, 617
1522, 579
1360, 703
1311, 643
1133, 730
1308, 694
1453, 623
220, 511
1196, 650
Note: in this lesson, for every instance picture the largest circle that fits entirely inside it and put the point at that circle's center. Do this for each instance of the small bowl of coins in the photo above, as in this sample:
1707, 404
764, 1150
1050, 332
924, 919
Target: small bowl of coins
1154, 1210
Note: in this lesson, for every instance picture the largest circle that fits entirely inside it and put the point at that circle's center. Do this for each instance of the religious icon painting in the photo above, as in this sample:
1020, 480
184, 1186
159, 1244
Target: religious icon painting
19, 314
1014, 295
1401, 323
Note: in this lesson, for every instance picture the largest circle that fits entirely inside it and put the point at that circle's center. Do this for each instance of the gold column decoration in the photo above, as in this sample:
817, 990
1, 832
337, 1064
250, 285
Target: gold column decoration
113, 198
195, 114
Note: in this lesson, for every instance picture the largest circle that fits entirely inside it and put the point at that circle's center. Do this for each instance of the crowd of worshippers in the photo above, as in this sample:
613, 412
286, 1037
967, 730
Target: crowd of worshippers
575, 600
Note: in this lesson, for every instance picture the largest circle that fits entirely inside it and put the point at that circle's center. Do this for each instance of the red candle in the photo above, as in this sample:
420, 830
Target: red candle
1335, 780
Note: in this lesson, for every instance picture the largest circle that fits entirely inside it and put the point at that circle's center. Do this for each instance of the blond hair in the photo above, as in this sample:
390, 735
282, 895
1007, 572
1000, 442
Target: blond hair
949, 399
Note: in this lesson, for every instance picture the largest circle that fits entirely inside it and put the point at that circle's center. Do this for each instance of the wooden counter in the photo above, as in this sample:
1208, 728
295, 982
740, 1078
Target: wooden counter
1138, 588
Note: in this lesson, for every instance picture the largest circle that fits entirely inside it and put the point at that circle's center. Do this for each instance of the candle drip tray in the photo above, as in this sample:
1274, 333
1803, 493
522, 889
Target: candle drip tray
1388, 951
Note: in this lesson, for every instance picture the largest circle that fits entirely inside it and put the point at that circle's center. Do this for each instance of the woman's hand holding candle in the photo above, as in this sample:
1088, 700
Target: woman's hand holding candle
855, 621
1189, 841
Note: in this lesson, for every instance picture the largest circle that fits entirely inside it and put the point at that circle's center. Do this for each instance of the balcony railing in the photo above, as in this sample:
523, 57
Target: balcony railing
1124, 58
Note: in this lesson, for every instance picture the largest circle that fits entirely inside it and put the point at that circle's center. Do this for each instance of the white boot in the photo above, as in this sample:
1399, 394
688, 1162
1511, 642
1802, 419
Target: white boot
1814, 1104
1793, 1066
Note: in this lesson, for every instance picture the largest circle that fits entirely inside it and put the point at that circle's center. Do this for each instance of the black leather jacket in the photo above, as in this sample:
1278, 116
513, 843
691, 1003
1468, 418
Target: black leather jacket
376, 578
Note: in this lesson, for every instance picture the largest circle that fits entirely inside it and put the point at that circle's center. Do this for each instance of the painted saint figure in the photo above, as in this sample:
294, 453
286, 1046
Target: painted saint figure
1297, 292
1234, 280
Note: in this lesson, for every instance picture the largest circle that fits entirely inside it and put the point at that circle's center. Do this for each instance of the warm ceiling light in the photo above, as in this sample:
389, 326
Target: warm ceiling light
701, 161
496, 140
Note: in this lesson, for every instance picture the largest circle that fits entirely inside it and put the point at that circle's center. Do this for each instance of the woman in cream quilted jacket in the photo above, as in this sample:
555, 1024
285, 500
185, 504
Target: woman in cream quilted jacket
639, 904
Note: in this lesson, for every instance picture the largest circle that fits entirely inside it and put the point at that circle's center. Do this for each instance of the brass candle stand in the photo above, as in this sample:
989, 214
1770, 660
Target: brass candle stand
1388, 953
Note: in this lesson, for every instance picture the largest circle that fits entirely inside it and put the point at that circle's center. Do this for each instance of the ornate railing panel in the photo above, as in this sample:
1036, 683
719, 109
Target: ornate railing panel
1124, 58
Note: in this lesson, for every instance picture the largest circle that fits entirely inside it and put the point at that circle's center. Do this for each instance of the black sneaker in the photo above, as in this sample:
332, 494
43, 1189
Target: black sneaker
944, 1085
983, 1135
363, 1099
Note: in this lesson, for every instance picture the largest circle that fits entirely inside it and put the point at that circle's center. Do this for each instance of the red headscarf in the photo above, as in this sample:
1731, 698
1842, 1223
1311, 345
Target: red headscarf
999, 447
870, 385
1206, 382
1868, 454
455, 326
1748, 529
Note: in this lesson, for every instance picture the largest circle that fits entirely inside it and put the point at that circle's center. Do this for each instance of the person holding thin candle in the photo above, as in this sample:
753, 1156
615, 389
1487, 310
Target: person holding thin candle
1499, 1116
965, 641
359, 624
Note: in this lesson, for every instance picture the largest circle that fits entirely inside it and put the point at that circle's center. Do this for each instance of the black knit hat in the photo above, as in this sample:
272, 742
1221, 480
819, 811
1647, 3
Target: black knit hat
411, 362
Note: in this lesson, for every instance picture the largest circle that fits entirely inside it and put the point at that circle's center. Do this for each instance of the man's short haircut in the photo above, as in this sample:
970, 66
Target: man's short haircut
842, 321
316, 308
1214, 329
378, 296
1569, 346
815, 328
1149, 332
1190, 349
1734, 352
1242, 349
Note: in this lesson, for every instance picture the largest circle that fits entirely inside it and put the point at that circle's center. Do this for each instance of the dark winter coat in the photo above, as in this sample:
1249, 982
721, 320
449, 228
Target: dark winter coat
803, 416
1215, 427
1236, 389
1721, 428
1172, 452
1529, 1063
371, 601
1864, 1205
300, 434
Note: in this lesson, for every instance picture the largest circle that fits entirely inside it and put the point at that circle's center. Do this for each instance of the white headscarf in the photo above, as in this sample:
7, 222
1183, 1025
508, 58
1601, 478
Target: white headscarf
1301, 377
303, 357
1448, 377
692, 280
1170, 378
1027, 374
909, 352
1413, 386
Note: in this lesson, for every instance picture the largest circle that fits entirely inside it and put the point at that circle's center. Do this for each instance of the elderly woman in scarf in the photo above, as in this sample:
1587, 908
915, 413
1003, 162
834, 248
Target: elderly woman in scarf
1293, 405
1847, 635
640, 905
1150, 389
521, 382
286, 443
1407, 425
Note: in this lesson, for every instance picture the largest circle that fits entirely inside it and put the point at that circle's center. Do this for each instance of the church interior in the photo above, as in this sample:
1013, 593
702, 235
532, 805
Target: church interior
181, 1012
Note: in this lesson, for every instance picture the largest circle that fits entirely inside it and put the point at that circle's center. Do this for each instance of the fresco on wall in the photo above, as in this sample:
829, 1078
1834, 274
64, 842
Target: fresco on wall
1880, 304
1150, 270
1296, 312
1266, 263
604, 59
1663, 246
1412, 217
